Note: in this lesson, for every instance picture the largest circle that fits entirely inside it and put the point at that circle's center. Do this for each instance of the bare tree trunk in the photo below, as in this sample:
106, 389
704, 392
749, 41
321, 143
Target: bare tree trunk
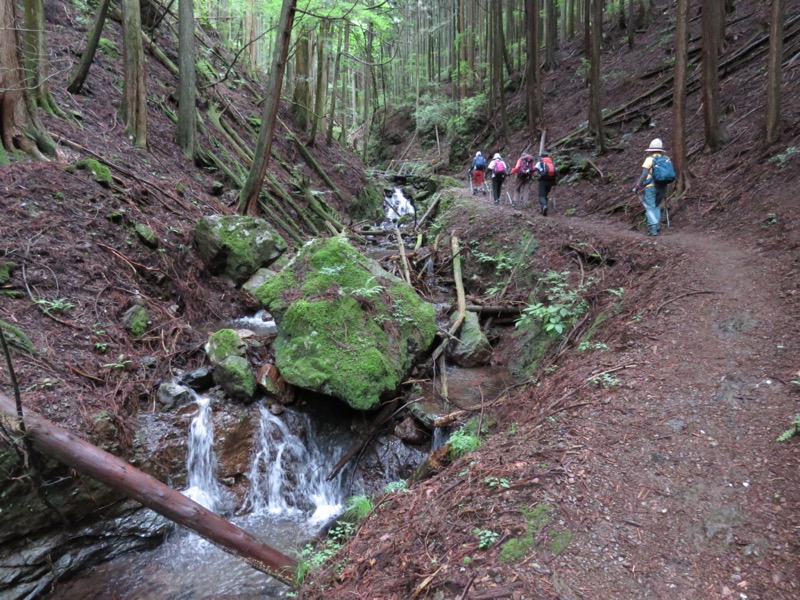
337, 64
532, 73
551, 41
774, 67
595, 111
20, 127
302, 92
319, 95
65, 447
343, 133
631, 23
679, 153
187, 89
87, 56
711, 23
498, 66
134, 91
248, 197
34, 56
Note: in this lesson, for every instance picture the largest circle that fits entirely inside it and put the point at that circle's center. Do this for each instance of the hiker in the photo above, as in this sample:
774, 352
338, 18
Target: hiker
476, 171
655, 182
499, 168
546, 171
524, 172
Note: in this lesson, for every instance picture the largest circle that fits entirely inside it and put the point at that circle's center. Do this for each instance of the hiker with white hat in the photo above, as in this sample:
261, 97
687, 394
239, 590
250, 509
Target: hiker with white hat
657, 174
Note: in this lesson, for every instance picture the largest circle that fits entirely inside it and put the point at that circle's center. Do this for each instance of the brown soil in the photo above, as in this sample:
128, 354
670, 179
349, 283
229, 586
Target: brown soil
668, 484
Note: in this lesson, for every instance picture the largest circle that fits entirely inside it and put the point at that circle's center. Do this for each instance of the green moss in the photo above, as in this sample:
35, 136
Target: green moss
235, 377
559, 540
224, 343
515, 549
146, 234
6, 269
100, 172
108, 47
136, 320
16, 338
367, 206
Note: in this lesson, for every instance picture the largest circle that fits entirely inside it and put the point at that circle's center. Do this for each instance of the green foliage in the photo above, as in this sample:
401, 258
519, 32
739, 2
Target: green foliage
47, 383
100, 172
604, 380
772, 219
782, 159
486, 538
497, 482
792, 431
16, 338
107, 47
538, 517
466, 439
312, 559
564, 305
120, 363
585, 346
358, 507
435, 111
515, 549
396, 486
559, 540
58, 305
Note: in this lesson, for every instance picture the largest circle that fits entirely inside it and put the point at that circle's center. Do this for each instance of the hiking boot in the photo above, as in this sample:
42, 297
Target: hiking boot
544, 211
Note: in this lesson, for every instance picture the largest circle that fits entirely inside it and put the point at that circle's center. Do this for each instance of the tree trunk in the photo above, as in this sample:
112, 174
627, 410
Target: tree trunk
336, 66
551, 37
302, 92
343, 132
532, 74
34, 56
87, 56
679, 153
595, 111
248, 197
186, 84
711, 23
774, 67
134, 92
20, 127
65, 447
319, 94
498, 66
631, 23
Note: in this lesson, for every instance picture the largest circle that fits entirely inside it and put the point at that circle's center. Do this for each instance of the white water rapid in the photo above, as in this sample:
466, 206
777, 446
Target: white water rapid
396, 207
201, 462
288, 474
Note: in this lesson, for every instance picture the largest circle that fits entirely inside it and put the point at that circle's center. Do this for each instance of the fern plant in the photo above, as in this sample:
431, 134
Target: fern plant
792, 431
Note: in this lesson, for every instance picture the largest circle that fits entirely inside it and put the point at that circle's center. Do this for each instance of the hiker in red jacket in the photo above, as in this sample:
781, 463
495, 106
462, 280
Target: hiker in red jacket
547, 173
524, 172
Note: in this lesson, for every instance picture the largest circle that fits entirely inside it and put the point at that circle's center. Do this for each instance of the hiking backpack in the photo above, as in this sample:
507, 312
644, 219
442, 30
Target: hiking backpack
479, 164
548, 167
499, 168
526, 166
663, 171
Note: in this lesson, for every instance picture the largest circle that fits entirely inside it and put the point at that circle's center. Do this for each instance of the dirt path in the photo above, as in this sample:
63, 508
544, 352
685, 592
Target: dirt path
689, 495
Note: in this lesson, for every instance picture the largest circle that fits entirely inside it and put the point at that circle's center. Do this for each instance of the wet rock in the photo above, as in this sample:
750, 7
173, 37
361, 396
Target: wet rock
473, 348
223, 344
346, 327
259, 278
235, 378
171, 395
146, 235
199, 379
676, 424
408, 431
235, 246
136, 319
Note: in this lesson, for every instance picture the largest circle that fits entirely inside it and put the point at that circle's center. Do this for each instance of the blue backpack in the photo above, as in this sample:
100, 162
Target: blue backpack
479, 164
663, 171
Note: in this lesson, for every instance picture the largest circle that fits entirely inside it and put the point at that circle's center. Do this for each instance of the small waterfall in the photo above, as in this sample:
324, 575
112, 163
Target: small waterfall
202, 462
440, 438
396, 206
288, 473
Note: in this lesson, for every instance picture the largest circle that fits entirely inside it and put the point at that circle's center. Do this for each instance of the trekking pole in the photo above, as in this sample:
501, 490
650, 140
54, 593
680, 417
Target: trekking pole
510, 201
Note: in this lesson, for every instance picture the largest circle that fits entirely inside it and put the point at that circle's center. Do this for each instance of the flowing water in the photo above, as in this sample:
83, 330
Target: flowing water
396, 207
289, 501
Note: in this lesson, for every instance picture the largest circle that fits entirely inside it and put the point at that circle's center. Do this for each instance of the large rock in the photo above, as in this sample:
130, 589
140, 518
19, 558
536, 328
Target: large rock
235, 246
346, 327
473, 348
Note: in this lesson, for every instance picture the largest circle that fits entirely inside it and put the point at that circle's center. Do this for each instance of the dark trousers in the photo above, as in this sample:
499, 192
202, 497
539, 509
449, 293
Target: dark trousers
497, 184
545, 185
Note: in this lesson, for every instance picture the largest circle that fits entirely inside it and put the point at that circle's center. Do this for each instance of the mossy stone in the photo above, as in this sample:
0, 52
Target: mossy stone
146, 235
100, 172
367, 205
224, 343
346, 327
136, 319
6, 269
235, 378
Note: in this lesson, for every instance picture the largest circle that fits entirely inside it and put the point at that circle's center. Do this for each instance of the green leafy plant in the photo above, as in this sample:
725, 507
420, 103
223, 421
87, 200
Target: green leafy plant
792, 431
486, 537
781, 159
57, 305
47, 383
604, 380
563, 306
396, 486
465, 439
772, 219
497, 482
358, 507
585, 346
120, 363
616, 291
312, 558
101, 347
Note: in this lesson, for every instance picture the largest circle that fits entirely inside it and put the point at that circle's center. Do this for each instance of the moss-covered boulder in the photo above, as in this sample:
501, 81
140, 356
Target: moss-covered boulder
236, 246
136, 319
236, 378
367, 205
472, 348
224, 343
146, 235
346, 327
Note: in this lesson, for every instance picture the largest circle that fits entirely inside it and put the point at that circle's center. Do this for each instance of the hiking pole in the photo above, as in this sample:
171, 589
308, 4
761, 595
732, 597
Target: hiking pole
510, 201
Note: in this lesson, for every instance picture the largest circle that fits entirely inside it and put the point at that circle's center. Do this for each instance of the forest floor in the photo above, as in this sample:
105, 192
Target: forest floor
663, 480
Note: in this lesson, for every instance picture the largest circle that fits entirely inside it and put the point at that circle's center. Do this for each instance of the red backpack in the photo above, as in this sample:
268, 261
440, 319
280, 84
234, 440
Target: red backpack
548, 167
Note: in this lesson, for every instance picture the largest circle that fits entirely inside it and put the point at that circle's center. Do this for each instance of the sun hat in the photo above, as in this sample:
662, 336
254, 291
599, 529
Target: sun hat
496, 156
656, 146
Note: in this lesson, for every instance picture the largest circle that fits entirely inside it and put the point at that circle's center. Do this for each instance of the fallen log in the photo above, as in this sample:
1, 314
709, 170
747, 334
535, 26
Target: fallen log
59, 444
462, 301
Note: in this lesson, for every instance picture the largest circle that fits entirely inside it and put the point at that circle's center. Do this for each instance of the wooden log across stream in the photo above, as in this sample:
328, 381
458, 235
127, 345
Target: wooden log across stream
59, 444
